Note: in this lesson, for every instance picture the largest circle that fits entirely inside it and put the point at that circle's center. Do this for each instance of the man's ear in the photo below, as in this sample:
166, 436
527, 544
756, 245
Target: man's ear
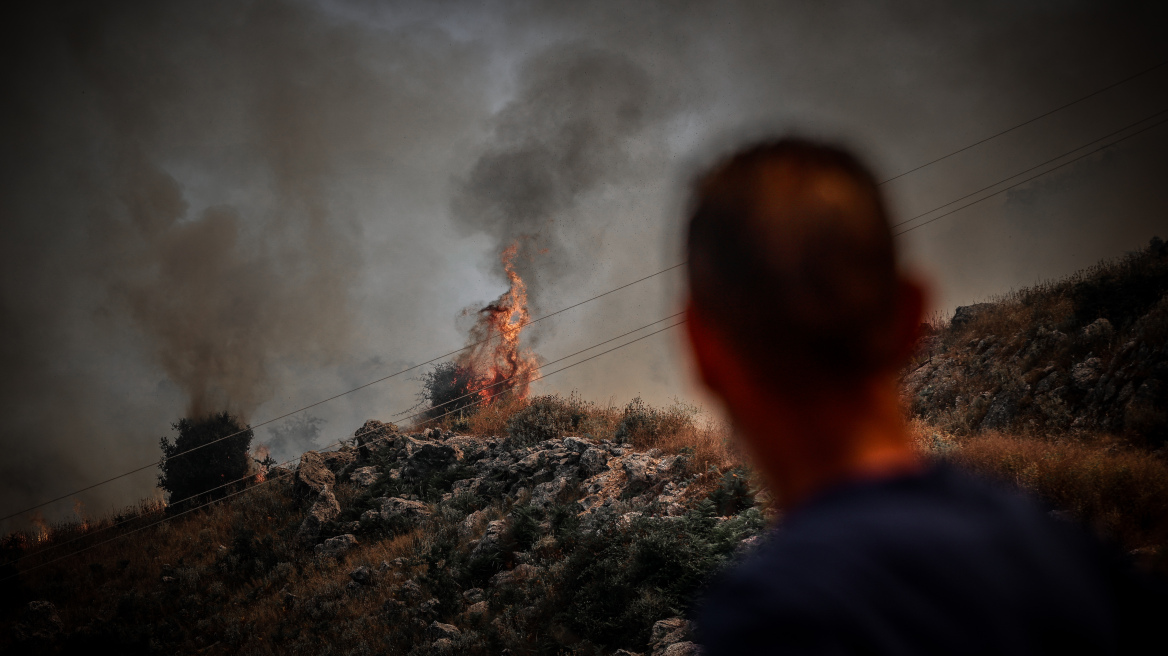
707, 349
910, 312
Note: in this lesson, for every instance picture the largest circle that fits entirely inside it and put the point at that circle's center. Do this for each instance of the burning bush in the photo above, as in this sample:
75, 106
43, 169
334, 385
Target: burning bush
198, 477
494, 364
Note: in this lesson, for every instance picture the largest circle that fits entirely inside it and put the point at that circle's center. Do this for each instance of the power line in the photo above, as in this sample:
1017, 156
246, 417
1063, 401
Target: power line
1037, 175
287, 472
363, 433
1036, 166
1025, 123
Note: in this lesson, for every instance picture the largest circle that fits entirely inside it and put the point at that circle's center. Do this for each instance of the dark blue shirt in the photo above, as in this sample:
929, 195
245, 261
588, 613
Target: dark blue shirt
939, 562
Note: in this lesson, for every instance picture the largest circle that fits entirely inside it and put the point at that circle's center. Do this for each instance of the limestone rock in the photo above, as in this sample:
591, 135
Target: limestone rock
1086, 373
1098, 330
684, 648
364, 476
593, 461
439, 631
324, 509
336, 547
362, 575
388, 507
473, 595
490, 539
520, 574
312, 475
669, 632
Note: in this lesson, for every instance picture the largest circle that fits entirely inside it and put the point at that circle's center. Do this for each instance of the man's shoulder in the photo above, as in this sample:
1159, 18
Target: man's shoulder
882, 549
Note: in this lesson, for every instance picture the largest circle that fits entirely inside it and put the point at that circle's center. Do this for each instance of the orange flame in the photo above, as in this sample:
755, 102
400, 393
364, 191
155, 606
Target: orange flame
497, 364
41, 528
261, 454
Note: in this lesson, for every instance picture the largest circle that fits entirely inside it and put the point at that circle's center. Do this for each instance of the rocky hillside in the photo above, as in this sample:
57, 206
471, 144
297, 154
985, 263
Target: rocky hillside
556, 526
1084, 354
420, 543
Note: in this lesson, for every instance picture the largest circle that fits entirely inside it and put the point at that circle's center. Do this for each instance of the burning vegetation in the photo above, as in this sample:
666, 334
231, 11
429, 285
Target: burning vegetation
495, 365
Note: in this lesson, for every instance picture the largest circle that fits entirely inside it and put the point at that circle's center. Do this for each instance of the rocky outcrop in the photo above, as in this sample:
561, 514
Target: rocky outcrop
324, 509
1045, 360
364, 476
392, 507
312, 475
671, 637
336, 547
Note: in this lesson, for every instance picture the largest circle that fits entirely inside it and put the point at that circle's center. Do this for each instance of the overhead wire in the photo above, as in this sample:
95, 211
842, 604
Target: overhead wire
1028, 122
1037, 175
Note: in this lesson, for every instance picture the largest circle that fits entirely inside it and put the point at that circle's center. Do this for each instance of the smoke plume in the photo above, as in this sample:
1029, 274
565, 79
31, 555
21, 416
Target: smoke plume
577, 114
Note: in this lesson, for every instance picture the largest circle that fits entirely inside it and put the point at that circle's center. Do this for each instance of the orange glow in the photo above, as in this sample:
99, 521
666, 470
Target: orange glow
497, 364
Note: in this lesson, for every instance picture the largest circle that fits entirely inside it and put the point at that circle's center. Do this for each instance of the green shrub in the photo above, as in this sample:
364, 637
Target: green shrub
198, 476
733, 493
547, 418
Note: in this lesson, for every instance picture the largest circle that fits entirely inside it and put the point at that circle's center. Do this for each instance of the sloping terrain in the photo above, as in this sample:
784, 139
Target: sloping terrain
1087, 353
418, 543
556, 526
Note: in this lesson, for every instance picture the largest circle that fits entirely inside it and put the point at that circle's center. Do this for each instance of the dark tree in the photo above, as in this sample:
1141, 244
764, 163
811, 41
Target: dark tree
448, 388
201, 475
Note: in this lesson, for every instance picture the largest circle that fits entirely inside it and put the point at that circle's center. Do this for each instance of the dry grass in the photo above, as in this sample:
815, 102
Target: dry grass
679, 428
1117, 490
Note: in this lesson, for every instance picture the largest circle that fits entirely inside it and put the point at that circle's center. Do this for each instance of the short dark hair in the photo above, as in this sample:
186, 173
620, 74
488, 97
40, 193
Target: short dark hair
791, 257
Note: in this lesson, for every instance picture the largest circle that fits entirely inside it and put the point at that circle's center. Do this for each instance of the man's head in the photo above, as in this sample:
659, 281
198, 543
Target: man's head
791, 262
798, 313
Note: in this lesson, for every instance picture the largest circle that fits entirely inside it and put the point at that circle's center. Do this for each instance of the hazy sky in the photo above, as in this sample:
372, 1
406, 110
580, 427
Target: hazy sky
255, 205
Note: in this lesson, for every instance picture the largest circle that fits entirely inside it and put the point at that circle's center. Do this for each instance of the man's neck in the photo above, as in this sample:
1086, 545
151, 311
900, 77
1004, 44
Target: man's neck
835, 440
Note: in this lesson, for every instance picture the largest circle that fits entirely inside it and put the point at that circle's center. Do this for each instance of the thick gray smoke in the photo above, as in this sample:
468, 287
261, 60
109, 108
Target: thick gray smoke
253, 205
577, 114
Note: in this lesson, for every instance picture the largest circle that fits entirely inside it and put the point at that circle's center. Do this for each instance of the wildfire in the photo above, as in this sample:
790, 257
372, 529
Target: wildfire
41, 530
496, 363
79, 510
261, 456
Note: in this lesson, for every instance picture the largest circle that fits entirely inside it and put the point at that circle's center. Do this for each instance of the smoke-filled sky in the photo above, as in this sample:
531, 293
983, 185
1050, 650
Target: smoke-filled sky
255, 205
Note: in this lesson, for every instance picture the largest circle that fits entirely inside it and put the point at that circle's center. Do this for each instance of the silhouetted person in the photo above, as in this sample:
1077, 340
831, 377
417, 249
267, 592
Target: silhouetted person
799, 320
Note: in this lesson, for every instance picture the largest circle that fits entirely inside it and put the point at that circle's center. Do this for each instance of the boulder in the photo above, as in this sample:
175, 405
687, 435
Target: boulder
364, 476
1086, 373
641, 471
593, 461
577, 445
966, 313
337, 460
362, 575
684, 648
388, 507
438, 631
42, 619
473, 595
336, 547
373, 435
668, 632
520, 574
1098, 330
544, 495
427, 457
490, 539
312, 475
324, 509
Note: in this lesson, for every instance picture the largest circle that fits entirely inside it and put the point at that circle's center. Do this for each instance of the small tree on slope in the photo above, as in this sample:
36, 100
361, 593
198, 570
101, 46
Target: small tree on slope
199, 476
